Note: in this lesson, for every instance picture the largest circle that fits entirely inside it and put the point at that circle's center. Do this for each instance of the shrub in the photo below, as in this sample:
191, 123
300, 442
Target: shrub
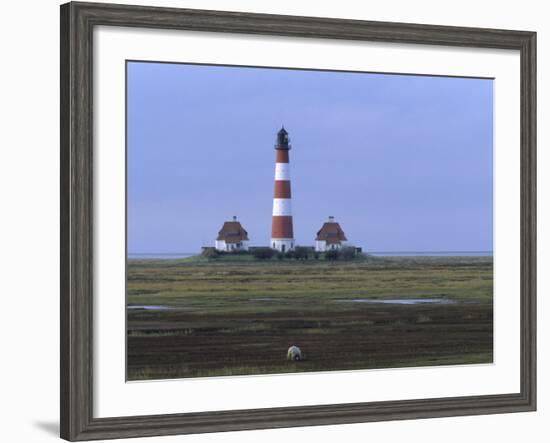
263, 253
348, 253
210, 253
332, 254
301, 253
238, 252
280, 255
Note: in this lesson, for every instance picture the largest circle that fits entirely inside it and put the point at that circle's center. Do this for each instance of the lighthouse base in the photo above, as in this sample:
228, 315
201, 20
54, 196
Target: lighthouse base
282, 244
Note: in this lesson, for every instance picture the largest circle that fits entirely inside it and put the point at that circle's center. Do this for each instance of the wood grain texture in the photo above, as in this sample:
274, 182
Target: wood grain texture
77, 22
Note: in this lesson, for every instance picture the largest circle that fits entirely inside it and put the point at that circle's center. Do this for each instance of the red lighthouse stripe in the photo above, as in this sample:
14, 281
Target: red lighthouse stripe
281, 155
282, 189
281, 227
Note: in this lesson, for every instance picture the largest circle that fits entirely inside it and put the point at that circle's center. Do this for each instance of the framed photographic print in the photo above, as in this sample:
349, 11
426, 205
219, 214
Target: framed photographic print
272, 221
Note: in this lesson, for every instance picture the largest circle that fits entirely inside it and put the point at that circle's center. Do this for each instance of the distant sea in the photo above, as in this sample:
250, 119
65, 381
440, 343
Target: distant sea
175, 255
430, 253
160, 255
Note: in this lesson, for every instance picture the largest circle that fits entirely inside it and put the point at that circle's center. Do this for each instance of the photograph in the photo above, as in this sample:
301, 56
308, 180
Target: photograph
277, 222
283, 220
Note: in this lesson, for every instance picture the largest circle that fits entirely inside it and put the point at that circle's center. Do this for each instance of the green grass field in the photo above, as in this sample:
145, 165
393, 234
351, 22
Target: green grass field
234, 317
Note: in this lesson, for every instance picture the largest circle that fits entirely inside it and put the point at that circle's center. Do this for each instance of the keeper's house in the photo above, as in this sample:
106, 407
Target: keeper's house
232, 237
330, 236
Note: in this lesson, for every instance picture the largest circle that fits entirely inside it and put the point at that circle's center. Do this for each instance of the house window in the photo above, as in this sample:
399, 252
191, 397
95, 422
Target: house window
273, 245
283, 248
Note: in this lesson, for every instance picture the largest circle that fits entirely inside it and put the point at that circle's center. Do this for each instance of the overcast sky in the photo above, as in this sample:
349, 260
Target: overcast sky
404, 163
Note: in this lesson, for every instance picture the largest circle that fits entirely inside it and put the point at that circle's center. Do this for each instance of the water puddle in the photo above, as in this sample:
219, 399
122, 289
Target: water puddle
399, 301
150, 307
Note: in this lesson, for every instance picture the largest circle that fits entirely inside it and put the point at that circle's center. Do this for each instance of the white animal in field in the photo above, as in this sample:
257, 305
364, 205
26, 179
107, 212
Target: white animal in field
294, 354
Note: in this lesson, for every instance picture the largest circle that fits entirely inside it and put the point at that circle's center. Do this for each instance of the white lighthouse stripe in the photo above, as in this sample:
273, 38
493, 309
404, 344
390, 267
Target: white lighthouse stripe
281, 206
282, 171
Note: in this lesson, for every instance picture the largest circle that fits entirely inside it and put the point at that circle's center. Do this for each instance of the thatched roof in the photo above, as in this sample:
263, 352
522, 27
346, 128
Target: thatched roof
331, 232
232, 232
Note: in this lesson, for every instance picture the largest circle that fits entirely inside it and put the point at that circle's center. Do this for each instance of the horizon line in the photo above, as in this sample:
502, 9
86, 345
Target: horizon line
373, 252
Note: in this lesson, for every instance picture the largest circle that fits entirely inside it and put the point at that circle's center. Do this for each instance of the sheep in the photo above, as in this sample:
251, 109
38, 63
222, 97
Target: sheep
294, 354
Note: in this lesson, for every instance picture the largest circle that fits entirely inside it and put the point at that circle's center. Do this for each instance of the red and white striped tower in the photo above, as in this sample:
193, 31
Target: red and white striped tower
282, 235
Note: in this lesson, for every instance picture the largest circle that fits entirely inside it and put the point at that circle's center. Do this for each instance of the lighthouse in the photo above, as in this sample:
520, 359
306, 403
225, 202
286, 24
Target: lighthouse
282, 235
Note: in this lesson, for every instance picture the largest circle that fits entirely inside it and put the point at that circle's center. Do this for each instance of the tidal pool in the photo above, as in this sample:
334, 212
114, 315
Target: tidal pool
399, 301
150, 307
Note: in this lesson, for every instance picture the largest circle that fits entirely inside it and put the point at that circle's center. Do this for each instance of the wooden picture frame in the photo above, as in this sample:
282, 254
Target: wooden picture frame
77, 22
